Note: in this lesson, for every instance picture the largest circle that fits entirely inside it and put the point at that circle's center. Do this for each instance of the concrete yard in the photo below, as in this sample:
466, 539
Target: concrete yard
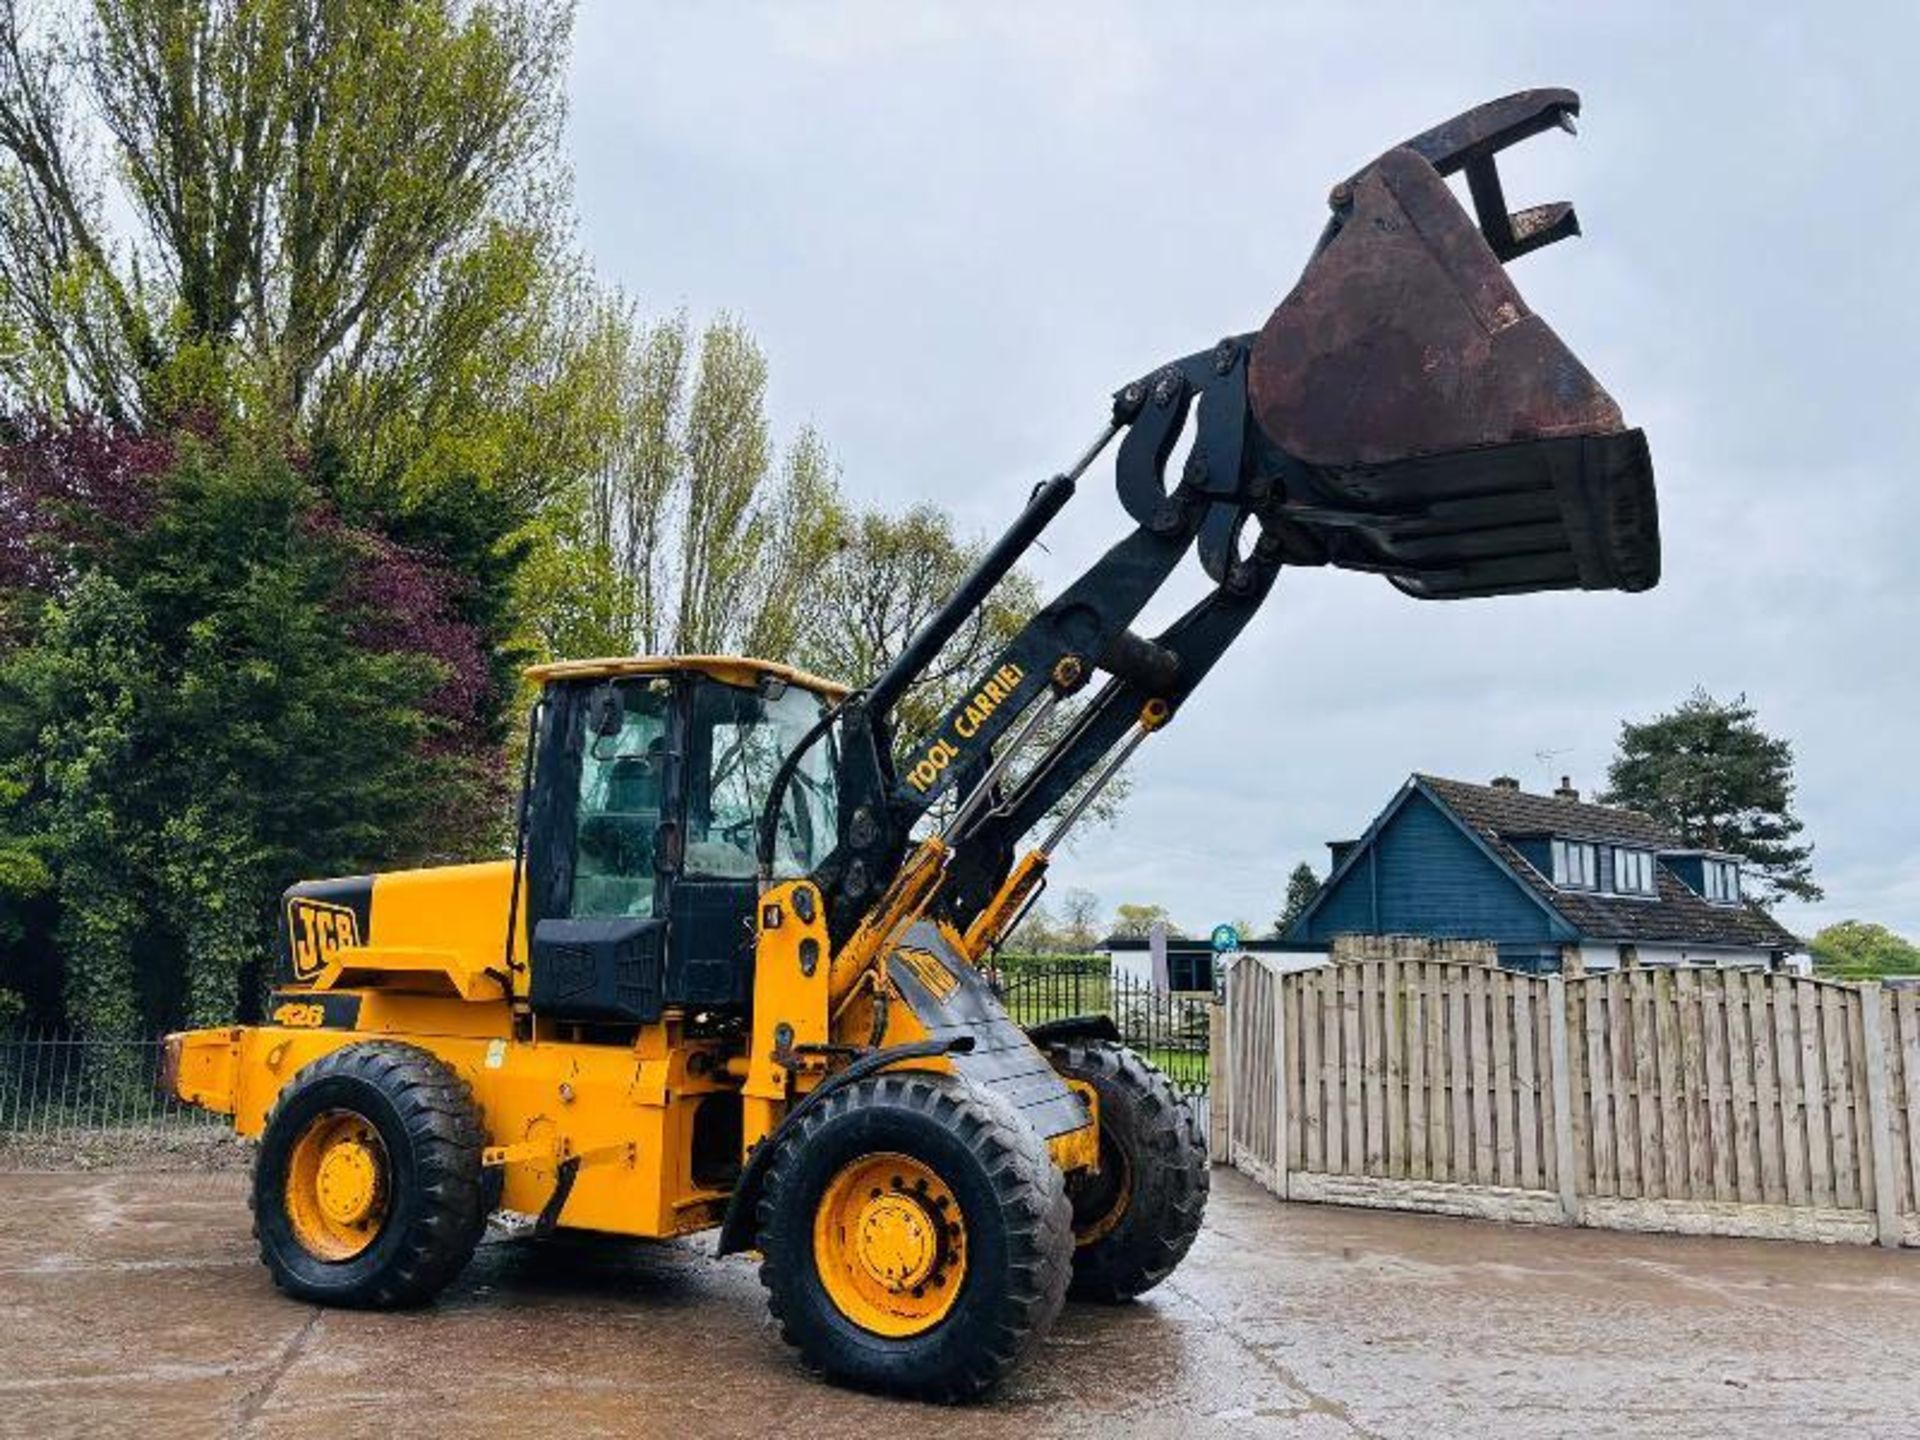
133, 1304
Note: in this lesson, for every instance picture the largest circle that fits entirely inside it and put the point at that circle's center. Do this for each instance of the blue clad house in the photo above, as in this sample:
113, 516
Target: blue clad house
1556, 884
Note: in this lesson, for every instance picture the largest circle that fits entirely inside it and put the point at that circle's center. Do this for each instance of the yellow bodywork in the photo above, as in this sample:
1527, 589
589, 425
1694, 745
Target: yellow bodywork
627, 1113
438, 977
728, 669
440, 934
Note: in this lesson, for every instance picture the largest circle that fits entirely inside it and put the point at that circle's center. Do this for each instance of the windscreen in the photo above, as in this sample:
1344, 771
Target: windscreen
739, 739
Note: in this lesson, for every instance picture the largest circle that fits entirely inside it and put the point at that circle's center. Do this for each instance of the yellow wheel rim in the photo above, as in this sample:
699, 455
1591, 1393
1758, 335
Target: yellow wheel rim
1100, 1201
890, 1244
337, 1185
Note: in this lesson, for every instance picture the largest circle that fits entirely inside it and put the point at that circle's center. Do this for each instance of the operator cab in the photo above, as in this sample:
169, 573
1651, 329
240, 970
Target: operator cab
649, 779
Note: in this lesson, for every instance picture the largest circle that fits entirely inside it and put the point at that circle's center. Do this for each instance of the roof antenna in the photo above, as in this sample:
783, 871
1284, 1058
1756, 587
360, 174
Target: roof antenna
1546, 759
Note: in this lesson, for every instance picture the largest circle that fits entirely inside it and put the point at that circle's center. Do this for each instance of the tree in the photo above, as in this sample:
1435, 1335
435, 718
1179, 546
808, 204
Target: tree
1136, 922
886, 578
75, 696
1302, 886
313, 185
1079, 920
1859, 950
691, 535
1709, 773
234, 690
341, 225
696, 534
298, 371
1036, 934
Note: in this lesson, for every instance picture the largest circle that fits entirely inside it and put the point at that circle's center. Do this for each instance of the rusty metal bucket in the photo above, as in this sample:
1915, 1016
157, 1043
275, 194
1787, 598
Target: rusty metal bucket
1437, 431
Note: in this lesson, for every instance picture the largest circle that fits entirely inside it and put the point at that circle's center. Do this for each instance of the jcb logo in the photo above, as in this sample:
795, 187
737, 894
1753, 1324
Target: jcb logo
318, 931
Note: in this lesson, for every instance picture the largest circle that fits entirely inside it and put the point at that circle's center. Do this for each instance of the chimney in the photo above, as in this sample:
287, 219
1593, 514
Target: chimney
1504, 782
1566, 790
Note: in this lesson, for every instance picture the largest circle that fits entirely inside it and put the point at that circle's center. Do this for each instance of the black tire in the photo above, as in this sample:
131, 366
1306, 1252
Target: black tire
1012, 1204
434, 1208
1135, 1220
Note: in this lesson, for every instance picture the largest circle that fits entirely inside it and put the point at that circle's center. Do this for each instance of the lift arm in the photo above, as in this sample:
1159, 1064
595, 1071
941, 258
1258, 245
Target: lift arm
1401, 413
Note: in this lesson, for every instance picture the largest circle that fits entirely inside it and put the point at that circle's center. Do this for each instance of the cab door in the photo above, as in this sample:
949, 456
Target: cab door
601, 847
737, 738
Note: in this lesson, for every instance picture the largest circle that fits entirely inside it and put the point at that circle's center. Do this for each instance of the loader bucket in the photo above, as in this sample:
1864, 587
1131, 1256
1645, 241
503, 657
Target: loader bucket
1439, 432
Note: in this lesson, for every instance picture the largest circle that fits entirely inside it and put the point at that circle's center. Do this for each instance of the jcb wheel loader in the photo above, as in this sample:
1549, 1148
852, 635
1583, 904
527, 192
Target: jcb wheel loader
732, 975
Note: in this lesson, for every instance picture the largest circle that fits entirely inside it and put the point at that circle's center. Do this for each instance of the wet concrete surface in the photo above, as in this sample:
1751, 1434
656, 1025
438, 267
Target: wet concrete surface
133, 1304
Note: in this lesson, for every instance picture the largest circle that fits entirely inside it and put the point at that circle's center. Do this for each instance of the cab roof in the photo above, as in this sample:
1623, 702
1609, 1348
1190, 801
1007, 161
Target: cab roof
728, 669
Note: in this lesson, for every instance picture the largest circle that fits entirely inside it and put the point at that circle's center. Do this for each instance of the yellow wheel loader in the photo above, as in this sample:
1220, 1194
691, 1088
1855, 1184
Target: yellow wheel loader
732, 975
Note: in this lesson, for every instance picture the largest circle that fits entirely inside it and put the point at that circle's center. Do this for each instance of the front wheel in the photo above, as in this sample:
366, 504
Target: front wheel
1135, 1218
368, 1188
917, 1237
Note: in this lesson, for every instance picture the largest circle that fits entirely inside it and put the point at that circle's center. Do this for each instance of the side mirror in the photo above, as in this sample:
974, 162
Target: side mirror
606, 711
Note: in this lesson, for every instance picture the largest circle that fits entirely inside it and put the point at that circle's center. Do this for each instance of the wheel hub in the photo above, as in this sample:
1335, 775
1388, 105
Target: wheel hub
348, 1182
897, 1240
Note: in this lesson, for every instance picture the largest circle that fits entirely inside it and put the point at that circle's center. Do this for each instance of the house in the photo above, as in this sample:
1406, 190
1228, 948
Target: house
1556, 884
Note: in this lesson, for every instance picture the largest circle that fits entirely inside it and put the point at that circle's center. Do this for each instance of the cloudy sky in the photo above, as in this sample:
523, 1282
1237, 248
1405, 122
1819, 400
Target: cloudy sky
956, 228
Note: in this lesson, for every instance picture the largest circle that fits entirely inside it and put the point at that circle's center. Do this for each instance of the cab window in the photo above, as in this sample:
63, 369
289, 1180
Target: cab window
622, 801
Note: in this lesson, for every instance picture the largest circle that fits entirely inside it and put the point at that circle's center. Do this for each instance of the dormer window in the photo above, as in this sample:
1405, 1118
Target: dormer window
1722, 881
1633, 872
1575, 865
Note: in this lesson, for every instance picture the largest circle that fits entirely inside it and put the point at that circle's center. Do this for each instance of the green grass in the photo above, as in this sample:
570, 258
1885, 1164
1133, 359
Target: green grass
1091, 996
1186, 1068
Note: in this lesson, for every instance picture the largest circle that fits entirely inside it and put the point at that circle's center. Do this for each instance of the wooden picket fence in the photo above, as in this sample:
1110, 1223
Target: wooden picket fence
1700, 1101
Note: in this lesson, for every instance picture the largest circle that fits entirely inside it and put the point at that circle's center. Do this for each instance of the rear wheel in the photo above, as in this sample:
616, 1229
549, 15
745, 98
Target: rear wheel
917, 1237
1135, 1218
368, 1187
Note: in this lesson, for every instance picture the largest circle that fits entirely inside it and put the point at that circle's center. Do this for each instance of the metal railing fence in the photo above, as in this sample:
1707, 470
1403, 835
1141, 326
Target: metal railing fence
55, 1085
1169, 1028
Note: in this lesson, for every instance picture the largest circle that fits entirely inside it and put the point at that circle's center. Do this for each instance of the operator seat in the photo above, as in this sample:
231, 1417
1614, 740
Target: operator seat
615, 875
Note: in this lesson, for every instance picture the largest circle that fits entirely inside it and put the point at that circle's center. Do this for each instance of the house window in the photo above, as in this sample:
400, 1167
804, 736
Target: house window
1723, 882
1633, 872
1189, 970
1575, 866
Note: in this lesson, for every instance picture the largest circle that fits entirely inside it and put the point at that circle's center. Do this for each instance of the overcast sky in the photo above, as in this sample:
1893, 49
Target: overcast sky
956, 229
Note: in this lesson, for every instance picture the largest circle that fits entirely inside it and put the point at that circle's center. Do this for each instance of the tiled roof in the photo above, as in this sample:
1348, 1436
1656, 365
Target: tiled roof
1514, 812
1678, 916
